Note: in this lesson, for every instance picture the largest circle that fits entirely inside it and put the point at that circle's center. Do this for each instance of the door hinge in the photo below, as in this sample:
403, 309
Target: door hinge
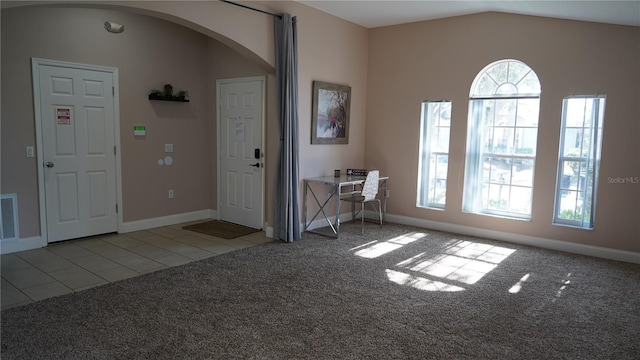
113, 90
114, 150
116, 208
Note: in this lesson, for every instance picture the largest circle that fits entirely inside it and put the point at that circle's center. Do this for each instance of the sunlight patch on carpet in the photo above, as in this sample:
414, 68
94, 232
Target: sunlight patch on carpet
461, 262
420, 283
565, 282
518, 286
363, 245
380, 248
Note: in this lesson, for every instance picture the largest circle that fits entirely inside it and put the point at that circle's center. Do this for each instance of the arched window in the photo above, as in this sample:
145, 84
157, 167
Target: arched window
501, 140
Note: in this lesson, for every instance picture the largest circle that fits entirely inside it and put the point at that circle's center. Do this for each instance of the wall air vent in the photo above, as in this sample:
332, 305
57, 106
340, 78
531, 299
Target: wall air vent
9, 210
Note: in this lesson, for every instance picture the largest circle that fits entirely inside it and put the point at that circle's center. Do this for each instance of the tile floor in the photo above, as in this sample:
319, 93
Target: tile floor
75, 265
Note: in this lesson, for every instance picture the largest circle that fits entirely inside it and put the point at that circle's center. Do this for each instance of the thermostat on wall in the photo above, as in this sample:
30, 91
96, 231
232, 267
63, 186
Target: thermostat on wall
139, 130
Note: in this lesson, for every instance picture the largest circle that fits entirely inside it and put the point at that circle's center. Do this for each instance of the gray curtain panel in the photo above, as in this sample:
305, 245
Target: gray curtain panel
287, 211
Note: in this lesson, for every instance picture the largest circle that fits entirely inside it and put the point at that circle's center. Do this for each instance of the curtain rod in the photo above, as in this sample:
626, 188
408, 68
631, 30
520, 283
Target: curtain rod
250, 8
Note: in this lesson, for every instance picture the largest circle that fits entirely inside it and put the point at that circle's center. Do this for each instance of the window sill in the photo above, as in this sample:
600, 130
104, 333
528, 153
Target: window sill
572, 226
501, 216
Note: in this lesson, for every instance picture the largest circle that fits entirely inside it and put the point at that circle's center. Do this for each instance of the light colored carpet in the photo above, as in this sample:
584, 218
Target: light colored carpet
395, 293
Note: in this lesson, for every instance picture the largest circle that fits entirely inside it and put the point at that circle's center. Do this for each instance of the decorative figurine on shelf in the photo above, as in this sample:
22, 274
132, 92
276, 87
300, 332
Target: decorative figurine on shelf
168, 90
167, 94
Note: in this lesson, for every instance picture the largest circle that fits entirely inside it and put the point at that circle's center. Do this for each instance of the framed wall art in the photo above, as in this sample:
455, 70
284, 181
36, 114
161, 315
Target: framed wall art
330, 114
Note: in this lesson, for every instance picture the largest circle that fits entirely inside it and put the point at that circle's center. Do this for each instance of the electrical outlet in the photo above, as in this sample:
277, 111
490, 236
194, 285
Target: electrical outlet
171, 194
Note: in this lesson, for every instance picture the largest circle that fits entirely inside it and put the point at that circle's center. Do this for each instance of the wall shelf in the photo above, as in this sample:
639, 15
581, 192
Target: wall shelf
162, 97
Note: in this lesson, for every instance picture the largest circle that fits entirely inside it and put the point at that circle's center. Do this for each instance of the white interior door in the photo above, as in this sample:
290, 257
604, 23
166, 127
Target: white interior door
240, 153
78, 151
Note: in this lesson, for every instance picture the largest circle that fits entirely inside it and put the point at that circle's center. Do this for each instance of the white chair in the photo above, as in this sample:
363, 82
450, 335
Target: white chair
367, 195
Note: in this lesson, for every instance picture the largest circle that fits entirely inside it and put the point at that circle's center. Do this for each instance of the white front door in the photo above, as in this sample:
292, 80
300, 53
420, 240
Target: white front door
240, 152
76, 108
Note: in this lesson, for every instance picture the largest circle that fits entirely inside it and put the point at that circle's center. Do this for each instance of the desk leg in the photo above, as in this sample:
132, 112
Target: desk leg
353, 206
304, 207
339, 195
384, 202
322, 207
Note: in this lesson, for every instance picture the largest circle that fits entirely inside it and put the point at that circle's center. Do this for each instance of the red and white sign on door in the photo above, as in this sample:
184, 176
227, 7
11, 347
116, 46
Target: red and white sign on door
63, 116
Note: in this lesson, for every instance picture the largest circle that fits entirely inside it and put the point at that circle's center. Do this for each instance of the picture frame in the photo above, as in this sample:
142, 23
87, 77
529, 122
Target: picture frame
330, 113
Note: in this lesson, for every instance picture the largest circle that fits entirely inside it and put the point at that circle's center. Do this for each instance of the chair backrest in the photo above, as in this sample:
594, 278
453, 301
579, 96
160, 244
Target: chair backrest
370, 187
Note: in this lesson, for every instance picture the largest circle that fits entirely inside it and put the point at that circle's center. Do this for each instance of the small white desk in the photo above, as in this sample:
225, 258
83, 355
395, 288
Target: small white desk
336, 184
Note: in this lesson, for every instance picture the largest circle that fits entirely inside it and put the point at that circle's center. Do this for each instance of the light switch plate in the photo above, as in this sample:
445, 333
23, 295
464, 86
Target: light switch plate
168, 148
29, 151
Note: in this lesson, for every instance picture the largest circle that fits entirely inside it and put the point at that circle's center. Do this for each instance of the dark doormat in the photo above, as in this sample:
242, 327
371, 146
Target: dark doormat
222, 229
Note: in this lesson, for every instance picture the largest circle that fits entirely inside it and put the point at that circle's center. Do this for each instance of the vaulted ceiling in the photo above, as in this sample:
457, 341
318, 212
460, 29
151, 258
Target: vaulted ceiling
373, 14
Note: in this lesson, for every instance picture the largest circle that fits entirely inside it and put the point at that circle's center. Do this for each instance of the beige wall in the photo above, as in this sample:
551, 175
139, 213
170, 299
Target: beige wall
152, 52
391, 71
225, 63
330, 50
439, 59
148, 54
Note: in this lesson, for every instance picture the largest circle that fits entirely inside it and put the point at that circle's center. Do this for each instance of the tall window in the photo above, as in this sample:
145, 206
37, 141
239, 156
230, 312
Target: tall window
434, 154
501, 140
579, 161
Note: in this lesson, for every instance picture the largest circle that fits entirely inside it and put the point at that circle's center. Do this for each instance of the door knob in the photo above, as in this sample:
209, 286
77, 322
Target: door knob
256, 164
48, 164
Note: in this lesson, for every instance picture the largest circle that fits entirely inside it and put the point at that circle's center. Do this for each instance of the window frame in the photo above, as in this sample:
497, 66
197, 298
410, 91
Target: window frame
477, 189
591, 160
427, 150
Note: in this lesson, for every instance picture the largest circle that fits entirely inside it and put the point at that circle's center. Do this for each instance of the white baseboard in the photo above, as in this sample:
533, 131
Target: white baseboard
15, 245
145, 224
589, 250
